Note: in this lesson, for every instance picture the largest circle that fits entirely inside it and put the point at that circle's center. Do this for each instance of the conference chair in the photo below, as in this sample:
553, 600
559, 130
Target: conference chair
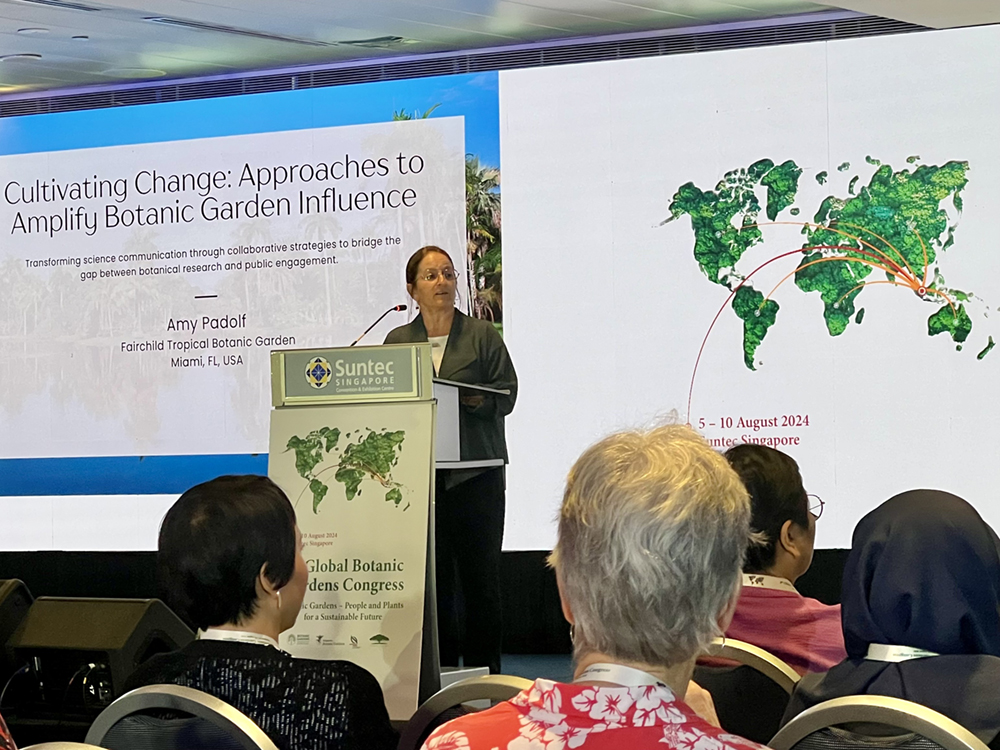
61, 746
430, 715
751, 695
867, 717
173, 717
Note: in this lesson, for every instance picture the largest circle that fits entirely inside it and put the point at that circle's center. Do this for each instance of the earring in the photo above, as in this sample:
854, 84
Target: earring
572, 633
279, 599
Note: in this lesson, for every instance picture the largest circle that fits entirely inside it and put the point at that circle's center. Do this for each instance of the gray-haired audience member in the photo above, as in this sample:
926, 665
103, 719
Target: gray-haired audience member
230, 562
652, 534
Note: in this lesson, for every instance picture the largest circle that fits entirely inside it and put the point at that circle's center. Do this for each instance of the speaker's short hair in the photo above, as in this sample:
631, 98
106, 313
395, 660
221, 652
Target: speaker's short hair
214, 541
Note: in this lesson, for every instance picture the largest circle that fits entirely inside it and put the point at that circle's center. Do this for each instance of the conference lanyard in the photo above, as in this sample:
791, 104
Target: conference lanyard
888, 652
760, 581
241, 636
618, 675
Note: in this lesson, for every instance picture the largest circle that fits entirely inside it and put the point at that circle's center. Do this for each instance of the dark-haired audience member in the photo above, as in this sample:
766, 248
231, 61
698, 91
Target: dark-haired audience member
921, 613
771, 614
230, 562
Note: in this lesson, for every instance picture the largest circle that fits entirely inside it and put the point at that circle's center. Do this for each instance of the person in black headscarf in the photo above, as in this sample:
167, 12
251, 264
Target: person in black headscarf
921, 613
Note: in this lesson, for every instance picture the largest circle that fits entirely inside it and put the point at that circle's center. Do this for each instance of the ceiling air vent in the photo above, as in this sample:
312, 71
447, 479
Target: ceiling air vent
209, 89
267, 84
343, 76
419, 68
640, 48
96, 100
505, 60
24, 107
144, 96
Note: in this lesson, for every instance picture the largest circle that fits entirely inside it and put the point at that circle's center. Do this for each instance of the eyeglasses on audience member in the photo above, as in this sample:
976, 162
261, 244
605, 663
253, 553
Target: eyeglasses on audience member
815, 505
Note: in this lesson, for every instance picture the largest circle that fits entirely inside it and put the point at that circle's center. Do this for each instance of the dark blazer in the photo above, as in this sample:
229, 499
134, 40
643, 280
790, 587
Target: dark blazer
475, 354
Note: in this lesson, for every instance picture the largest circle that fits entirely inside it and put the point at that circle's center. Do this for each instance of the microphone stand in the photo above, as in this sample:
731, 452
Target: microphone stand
397, 308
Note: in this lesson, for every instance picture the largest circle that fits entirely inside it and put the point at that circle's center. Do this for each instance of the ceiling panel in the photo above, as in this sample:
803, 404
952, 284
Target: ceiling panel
120, 39
207, 38
937, 14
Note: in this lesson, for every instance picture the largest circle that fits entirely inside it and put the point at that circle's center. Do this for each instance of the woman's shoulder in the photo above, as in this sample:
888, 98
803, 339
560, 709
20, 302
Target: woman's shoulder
482, 332
408, 333
478, 325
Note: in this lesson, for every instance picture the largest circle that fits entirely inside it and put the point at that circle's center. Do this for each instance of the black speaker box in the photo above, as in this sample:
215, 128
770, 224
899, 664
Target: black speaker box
70, 641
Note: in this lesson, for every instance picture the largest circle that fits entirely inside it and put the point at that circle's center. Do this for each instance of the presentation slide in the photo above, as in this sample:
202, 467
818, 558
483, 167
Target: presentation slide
156, 255
794, 246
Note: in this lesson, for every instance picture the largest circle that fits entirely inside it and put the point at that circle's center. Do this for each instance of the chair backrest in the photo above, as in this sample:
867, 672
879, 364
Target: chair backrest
494, 687
233, 724
61, 746
757, 673
758, 659
874, 710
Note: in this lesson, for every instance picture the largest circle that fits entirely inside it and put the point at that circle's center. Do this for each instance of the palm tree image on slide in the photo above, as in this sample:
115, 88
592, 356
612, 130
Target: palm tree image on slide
483, 262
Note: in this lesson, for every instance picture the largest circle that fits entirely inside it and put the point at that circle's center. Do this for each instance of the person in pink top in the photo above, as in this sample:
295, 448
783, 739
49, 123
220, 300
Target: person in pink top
770, 613
652, 533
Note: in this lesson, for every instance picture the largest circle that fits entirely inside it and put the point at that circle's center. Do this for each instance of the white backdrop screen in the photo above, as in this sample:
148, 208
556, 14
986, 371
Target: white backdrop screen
638, 195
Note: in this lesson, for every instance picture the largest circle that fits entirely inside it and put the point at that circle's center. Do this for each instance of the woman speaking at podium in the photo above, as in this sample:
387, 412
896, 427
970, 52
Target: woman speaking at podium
469, 503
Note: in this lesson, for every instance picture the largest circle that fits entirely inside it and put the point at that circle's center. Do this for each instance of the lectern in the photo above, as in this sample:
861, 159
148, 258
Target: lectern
356, 435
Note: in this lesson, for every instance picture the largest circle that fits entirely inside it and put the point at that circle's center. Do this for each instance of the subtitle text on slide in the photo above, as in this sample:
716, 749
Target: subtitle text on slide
243, 258
738, 430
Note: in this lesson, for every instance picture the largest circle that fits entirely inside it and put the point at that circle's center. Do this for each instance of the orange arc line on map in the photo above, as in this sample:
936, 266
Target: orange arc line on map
824, 260
927, 271
898, 272
880, 237
871, 283
947, 299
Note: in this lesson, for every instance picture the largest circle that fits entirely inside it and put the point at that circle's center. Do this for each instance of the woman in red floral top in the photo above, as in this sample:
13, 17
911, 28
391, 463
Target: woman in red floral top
652, 533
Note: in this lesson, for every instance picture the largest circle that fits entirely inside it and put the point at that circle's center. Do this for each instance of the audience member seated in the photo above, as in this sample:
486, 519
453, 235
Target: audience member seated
770, 613
230, 562
921, 613
652, 532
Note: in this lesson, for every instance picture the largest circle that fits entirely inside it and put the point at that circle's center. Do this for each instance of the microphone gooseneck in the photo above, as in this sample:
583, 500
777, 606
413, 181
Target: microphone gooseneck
397, 308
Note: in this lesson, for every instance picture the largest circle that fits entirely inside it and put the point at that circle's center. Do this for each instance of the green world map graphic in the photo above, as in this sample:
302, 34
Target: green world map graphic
372, 456
892, 230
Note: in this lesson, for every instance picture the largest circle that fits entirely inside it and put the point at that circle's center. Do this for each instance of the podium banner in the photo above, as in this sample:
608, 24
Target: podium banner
359, 477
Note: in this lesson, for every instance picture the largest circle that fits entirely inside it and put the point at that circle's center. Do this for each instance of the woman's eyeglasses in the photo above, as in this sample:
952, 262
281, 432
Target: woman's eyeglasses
431, 274
816, 505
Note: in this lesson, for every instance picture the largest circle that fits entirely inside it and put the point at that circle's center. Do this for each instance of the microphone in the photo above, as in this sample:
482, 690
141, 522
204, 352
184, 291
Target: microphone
397, 308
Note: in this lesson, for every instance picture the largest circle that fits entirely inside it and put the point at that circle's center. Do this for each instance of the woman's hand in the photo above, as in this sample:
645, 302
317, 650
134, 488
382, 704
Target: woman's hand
701, 701
474, 400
